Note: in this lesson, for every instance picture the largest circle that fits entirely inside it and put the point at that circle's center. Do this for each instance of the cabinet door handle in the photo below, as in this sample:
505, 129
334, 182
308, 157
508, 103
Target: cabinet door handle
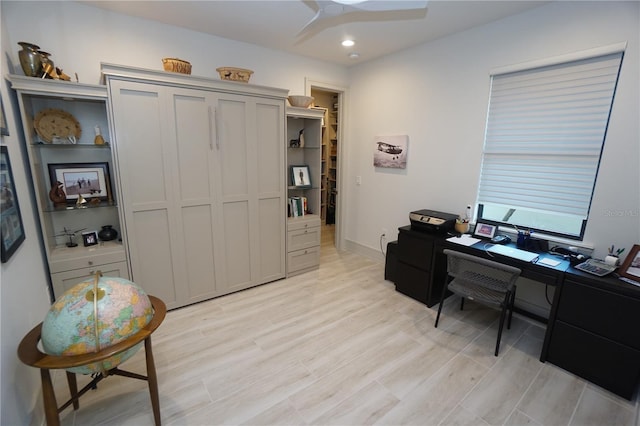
213, 133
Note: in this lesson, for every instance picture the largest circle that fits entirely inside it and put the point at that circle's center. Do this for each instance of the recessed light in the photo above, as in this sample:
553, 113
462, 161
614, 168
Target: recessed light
348, 43
354, 55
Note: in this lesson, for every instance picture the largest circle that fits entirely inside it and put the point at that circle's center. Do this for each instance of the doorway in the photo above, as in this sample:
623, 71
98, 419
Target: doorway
330, 100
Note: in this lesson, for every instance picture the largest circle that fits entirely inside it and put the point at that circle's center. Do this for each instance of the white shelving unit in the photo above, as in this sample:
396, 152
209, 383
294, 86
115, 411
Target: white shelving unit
88, 106
303, 232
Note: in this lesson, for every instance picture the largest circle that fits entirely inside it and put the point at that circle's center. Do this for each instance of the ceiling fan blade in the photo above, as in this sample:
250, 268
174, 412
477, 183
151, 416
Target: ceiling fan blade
331, 10
385, 6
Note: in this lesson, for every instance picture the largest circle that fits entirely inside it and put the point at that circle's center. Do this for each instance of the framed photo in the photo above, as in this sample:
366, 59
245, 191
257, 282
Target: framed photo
12, 229
300, 176
90, 238
631, 266
484, 230
91, 180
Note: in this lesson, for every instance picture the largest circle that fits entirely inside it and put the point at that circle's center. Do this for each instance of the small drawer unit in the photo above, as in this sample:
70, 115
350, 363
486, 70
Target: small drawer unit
303, 244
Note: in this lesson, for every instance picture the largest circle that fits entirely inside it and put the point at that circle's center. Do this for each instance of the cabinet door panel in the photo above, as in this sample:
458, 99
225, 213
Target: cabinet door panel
269, 136
140, 149
191, 115
199, 250
271, 239
232, 135
237, 245
151, 259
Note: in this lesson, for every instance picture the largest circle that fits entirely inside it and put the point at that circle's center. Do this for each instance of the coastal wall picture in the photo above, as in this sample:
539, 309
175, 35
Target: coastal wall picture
391, 151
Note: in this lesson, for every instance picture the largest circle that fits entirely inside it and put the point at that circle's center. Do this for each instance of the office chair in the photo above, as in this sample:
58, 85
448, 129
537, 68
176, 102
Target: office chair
484, 281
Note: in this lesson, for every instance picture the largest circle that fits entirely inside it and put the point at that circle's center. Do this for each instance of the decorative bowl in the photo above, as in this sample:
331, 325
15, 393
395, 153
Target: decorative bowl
176, 65
234, 74
301, 101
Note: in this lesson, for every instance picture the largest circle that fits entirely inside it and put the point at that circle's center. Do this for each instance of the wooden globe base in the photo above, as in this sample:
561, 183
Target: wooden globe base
29, 354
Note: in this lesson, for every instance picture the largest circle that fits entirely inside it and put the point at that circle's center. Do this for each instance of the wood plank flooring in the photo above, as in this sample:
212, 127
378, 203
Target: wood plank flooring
339, 346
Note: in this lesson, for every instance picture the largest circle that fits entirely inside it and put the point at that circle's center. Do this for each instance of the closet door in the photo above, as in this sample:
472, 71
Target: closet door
165, 150
250, 166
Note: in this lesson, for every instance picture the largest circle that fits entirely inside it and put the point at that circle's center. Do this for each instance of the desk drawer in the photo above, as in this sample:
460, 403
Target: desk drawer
415, 250
611, 365
602, 312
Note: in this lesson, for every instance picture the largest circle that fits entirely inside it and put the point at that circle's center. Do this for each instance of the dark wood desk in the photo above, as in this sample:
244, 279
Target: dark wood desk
592, 329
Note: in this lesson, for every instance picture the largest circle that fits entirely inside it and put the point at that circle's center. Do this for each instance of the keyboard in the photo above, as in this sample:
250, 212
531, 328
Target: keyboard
525, 256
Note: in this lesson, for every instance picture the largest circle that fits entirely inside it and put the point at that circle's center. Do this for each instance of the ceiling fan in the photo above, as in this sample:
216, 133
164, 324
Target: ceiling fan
334, 12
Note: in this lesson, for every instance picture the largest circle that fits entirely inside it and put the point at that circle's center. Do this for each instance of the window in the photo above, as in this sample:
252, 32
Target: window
546, 127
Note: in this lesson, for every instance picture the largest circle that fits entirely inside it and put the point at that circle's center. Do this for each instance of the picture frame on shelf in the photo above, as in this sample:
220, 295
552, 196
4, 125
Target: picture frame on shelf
12, 228
301, 176
90, 238
89, 180
630, 268
485, 230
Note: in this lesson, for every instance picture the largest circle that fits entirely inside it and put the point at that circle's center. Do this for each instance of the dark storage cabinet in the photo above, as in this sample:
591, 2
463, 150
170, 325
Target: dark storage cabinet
421, 266
594, 332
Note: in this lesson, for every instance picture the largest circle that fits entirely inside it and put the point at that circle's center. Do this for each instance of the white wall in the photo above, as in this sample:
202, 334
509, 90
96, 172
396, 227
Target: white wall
437, 93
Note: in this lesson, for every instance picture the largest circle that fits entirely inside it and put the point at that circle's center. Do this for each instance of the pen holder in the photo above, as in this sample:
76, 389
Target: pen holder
462, 227
524, 239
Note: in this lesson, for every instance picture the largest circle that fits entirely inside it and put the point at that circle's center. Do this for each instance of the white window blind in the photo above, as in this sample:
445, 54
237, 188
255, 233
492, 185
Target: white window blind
545, 133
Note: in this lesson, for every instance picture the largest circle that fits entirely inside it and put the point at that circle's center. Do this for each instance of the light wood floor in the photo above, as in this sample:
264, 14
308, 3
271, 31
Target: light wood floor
339, 346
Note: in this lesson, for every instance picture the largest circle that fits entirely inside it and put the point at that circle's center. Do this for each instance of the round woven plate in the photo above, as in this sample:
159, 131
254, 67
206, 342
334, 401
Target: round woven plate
56, 122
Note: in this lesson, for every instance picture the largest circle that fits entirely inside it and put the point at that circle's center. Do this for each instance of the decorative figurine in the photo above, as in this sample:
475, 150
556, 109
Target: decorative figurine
57, 195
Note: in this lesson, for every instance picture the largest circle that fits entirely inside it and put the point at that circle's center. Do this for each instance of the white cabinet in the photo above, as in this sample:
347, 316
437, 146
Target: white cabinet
303, 231
51, 106
201, 168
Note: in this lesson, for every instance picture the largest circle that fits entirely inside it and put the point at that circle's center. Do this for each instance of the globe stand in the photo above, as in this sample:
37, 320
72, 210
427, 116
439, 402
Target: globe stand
29, 354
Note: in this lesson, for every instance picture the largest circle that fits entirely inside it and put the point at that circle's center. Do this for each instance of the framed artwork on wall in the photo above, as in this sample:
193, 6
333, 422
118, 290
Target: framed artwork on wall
12, 228
391, 151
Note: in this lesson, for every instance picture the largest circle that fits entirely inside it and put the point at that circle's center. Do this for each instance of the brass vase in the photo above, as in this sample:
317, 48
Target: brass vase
30, 59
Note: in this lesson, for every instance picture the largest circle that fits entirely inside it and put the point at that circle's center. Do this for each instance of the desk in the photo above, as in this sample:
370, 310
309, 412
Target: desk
593, 324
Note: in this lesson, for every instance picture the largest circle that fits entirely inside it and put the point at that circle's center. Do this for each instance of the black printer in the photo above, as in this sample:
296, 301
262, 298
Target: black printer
432, 221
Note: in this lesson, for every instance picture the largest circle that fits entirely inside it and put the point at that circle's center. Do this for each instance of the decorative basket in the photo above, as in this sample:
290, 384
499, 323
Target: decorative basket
301, 101
234, 74
176, 65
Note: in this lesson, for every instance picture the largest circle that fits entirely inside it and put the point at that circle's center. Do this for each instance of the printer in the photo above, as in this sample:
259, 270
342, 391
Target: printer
431, 221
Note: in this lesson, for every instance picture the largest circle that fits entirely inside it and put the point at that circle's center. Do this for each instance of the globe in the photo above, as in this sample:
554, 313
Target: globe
70, 328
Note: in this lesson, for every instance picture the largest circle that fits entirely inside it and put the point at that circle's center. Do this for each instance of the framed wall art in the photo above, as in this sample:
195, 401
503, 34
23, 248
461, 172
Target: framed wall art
12, 228
300, 176
91, 180
391, 151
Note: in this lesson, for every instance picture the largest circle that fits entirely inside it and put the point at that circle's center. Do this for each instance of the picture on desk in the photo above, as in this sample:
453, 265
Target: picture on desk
631, 266
484, 230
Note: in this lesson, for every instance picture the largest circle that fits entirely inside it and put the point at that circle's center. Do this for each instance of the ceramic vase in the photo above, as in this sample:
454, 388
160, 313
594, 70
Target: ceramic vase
30, 59
107, 233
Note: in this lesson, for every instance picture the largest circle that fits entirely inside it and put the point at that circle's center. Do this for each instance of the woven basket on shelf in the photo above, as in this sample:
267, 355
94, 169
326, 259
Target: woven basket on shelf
235, 74
176, 65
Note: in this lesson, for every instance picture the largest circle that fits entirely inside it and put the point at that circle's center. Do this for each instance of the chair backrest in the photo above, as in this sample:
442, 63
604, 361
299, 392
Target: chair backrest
482, 271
